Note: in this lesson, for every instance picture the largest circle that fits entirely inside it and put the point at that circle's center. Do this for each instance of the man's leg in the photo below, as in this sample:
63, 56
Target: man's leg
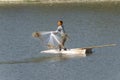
60, 47
63, 42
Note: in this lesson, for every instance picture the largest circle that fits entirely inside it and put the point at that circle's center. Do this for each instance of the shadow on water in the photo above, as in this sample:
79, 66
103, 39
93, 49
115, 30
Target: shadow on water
43, 59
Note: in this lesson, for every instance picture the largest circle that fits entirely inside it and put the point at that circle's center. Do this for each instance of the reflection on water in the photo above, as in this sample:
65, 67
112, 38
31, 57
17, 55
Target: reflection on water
43, 59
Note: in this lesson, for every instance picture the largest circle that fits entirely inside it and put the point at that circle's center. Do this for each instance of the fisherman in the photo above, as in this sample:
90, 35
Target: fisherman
60, 30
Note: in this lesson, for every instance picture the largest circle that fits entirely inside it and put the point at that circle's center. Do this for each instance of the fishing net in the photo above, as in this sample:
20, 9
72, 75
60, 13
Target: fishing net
49, 39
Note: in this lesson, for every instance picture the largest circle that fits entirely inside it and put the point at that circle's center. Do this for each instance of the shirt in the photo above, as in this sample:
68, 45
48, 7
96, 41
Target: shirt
60, 30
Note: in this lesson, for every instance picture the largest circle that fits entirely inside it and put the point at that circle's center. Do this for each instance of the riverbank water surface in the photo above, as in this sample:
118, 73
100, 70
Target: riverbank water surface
87, 25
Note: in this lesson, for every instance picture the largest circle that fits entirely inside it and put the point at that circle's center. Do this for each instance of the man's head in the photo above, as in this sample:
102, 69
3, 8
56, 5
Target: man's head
60, 23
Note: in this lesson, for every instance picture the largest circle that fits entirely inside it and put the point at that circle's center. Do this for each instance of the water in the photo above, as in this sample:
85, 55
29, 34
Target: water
87, 25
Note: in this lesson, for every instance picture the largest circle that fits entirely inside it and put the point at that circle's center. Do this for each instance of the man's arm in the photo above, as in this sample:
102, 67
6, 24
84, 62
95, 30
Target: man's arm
58, 30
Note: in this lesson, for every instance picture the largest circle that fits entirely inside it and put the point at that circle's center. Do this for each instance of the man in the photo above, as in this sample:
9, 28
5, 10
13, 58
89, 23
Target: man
60, 30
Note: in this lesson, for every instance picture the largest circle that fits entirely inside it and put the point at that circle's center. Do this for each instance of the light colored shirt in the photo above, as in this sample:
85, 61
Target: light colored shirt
60, 30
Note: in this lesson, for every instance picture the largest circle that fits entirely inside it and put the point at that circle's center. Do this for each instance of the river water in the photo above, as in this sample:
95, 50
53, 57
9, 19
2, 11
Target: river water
87, 25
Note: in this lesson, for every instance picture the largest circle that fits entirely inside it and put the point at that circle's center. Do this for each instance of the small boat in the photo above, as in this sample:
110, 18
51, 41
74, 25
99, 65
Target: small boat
76, 51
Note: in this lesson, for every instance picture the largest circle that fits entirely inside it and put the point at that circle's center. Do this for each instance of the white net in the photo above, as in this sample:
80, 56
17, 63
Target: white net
53, 41
49, 39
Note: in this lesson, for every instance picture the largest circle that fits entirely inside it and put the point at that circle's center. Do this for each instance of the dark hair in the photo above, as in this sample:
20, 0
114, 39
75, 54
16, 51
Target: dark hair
61, 22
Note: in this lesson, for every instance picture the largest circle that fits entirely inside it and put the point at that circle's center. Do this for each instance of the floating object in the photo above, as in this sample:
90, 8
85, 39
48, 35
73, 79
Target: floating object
81, 51
76, 51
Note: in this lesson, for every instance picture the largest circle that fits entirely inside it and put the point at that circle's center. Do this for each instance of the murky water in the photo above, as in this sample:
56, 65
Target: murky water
87, 26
